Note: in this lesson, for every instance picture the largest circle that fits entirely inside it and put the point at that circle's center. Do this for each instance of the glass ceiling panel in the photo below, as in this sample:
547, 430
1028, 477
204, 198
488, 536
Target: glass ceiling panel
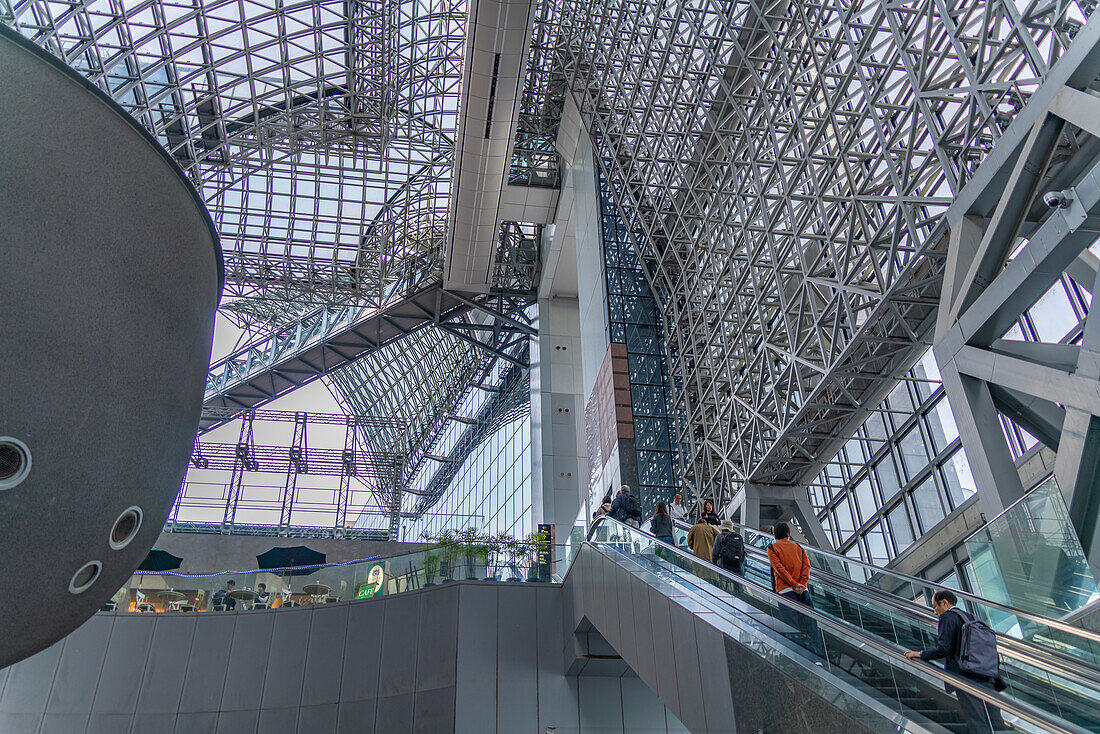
320, 133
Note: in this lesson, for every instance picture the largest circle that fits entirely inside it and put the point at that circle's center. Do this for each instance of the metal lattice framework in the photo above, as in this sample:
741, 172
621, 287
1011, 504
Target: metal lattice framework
321, 135
784, 167
301, 124
390, 382
534, 159
366, 473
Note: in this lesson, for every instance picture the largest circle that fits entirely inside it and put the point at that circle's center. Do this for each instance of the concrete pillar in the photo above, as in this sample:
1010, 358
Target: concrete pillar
558, 481
750, 510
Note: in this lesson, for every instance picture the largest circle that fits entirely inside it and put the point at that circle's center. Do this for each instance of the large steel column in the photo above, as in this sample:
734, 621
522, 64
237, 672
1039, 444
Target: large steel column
243, 462
298, 464
1034, 207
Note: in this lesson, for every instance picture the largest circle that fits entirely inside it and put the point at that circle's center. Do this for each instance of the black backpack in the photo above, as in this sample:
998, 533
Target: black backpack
632, 509
733, 551
977, 647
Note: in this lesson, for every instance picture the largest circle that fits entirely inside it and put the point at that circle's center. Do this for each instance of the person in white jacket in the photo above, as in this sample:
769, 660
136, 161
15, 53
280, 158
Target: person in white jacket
677, 509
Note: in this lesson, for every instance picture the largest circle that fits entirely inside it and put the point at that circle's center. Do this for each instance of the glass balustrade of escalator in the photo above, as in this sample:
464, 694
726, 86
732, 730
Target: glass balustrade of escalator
1053, 636
863, 644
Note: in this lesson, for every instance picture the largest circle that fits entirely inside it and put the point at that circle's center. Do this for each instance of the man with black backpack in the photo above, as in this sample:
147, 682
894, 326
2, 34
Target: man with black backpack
626, 508
729, 550
969, 649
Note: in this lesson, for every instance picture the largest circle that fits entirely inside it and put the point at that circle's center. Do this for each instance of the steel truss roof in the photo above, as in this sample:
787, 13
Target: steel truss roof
300, 123
784, 167
321, 134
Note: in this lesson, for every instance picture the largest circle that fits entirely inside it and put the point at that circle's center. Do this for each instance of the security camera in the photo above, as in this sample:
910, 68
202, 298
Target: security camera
1056, 199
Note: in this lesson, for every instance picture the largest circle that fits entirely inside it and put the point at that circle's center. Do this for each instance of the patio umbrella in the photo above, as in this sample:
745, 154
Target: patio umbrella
298, 555
160, 560
157, 560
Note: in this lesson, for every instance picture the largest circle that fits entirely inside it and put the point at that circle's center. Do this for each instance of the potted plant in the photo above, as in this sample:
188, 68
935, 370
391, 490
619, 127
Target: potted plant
431, 566
494, 552
477, 553
449, 550
535, 571
513, 552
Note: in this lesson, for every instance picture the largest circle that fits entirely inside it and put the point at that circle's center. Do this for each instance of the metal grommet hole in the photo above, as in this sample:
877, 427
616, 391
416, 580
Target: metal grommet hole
125, 527
85, 577
15, 462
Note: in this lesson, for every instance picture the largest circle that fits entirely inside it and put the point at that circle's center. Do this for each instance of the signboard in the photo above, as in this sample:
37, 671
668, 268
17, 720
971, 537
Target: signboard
376, 576
544, 557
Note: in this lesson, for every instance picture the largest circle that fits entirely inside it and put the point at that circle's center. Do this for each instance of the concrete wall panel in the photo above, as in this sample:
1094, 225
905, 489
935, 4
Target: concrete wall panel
79, 669
165, 667
286, 656
123, 668
323, 672
463, 657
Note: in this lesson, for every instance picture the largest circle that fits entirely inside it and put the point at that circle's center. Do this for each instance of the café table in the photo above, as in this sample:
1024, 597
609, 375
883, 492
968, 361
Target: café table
317, 591
172, 597
244, 596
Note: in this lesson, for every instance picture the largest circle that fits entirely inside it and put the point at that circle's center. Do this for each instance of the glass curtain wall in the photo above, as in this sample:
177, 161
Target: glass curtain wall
901, 474
491, 490
904, 471
634, 320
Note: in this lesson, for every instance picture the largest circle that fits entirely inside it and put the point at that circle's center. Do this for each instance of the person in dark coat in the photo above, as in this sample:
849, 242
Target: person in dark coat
981, 718
729, 550
626, 508
263, 597
709, 515
222, 597
661, 525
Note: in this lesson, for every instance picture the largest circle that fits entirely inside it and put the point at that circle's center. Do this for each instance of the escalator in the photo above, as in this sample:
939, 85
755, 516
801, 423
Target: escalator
1073, 645
854, 641
1059, 677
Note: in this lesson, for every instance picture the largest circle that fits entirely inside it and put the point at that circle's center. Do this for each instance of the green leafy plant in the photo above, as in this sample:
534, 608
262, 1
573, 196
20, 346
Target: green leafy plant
531, 546
431, 565
476, 551
512, 551
493, 554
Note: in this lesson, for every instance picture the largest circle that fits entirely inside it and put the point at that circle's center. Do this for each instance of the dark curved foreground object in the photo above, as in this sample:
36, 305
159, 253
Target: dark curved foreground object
110, 274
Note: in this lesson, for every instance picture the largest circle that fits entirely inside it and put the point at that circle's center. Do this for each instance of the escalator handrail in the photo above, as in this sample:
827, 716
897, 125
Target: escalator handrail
1024, 711
1051, 661
973, 598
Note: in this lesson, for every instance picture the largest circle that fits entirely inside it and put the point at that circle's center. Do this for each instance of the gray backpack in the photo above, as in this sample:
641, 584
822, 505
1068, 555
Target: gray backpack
977, 648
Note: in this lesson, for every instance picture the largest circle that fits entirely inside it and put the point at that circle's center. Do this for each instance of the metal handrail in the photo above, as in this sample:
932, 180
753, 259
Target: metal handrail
1016, 708
1051, 661
1031, 617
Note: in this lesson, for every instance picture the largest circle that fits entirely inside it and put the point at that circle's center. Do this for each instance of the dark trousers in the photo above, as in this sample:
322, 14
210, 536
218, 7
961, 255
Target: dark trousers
807, 627
980, 717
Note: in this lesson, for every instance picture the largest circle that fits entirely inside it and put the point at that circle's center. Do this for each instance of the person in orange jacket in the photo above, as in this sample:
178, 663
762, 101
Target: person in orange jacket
791, 576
